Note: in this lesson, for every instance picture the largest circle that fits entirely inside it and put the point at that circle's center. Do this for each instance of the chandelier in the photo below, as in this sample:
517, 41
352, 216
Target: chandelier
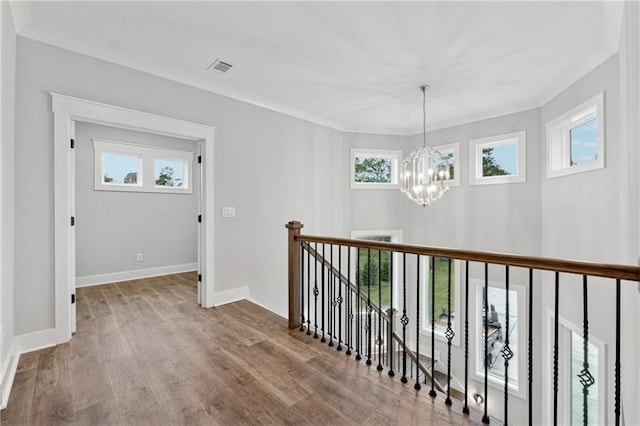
424, 174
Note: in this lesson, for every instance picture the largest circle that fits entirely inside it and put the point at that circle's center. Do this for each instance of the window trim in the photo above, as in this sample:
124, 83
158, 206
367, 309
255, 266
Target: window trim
455, 147
475, 164
559, 142
520, 390
564, 380
146, 166
425, 286
395, 157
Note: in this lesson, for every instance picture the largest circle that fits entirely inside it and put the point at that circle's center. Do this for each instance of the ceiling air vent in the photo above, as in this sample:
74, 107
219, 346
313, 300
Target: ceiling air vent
219, 66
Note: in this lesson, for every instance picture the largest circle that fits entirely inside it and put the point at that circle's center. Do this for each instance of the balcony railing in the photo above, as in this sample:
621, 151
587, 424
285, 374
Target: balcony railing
331, 299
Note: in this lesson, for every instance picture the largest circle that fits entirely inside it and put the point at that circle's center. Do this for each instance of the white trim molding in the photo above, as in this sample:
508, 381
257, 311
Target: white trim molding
114, 277
9, 368
229, 296
476, 155
67, 110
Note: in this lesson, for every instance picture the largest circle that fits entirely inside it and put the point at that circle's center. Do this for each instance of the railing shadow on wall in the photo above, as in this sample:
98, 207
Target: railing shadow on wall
336, 296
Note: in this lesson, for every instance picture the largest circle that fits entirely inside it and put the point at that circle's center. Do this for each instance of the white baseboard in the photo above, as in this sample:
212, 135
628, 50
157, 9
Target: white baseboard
224, 297
36, 341
115, 277
8, 374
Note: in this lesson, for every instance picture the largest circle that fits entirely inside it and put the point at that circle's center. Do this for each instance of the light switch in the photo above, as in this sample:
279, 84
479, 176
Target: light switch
228, 212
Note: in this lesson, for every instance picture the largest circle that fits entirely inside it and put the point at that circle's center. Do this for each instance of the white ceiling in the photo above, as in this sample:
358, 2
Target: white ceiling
354, 66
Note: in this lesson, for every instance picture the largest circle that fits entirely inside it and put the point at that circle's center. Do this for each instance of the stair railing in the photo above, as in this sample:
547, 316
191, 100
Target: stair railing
330, 296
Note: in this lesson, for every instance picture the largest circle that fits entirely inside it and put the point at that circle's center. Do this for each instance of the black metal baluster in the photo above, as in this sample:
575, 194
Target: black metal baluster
358, 316
530, 348
432, 392
309, 289
369, 309
485, 417
301, 288
449, 334
339, 300
404, 320
417, 386
465, 408
379, 367
391, 315
331, 304
586, 379
617, 365
506, 352
323, 292
316, 292
555, 348
349, 329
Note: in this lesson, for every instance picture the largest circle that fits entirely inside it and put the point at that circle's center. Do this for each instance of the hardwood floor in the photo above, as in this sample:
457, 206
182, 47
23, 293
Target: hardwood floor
146, 354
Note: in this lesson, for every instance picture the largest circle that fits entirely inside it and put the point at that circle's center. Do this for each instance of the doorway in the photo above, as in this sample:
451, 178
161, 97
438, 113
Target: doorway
67, 111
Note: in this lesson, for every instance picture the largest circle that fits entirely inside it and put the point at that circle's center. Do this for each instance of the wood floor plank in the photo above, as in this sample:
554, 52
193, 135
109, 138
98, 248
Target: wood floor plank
146, 354
104, 413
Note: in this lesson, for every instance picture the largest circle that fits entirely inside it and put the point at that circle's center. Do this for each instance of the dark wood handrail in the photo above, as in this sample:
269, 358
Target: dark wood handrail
622, 272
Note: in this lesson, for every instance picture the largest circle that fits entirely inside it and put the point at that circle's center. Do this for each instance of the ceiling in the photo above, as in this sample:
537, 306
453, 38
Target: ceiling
354, 66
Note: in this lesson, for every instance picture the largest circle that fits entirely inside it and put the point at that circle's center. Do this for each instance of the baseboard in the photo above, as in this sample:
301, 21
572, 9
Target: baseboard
224, 297
8, 374
115, 277
36, 341
252, 300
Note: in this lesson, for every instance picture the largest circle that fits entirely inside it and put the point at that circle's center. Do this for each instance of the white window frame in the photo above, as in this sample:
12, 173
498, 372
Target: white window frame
476, 147
455, 148
147, 157
519, 390
564, 368
425, 291
394, 156
559, 138
396, 237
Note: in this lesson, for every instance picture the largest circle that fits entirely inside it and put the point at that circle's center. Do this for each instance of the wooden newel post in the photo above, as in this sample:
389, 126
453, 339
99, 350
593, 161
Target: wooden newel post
295, 282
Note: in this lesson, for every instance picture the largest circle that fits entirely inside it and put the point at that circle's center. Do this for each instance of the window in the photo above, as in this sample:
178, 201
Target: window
452, 153
570, 366
497, 326
121, 169
374, 273
575, 140
374, 168
127, 167
441, 302
498, 159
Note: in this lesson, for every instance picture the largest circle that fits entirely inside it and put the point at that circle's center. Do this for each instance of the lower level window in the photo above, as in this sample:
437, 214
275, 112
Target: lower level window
498, 330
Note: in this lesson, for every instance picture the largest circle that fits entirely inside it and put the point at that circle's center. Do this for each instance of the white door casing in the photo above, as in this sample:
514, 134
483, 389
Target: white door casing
66, 111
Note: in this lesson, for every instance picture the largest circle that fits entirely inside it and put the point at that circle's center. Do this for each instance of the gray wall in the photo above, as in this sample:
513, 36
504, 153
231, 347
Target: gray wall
7, 190
371, 209
112, 226
271, 167
498, 218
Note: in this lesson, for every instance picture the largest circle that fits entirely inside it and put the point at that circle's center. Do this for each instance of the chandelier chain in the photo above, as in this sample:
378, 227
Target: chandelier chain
424, 116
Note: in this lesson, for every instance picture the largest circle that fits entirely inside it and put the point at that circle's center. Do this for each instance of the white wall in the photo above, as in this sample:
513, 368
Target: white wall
7, 195
113, 226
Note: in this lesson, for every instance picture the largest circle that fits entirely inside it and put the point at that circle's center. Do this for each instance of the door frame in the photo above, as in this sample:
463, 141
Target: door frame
66, 111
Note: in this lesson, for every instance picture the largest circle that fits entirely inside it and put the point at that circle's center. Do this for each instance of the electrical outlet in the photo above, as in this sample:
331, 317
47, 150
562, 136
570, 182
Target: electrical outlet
228, 212
139, 257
